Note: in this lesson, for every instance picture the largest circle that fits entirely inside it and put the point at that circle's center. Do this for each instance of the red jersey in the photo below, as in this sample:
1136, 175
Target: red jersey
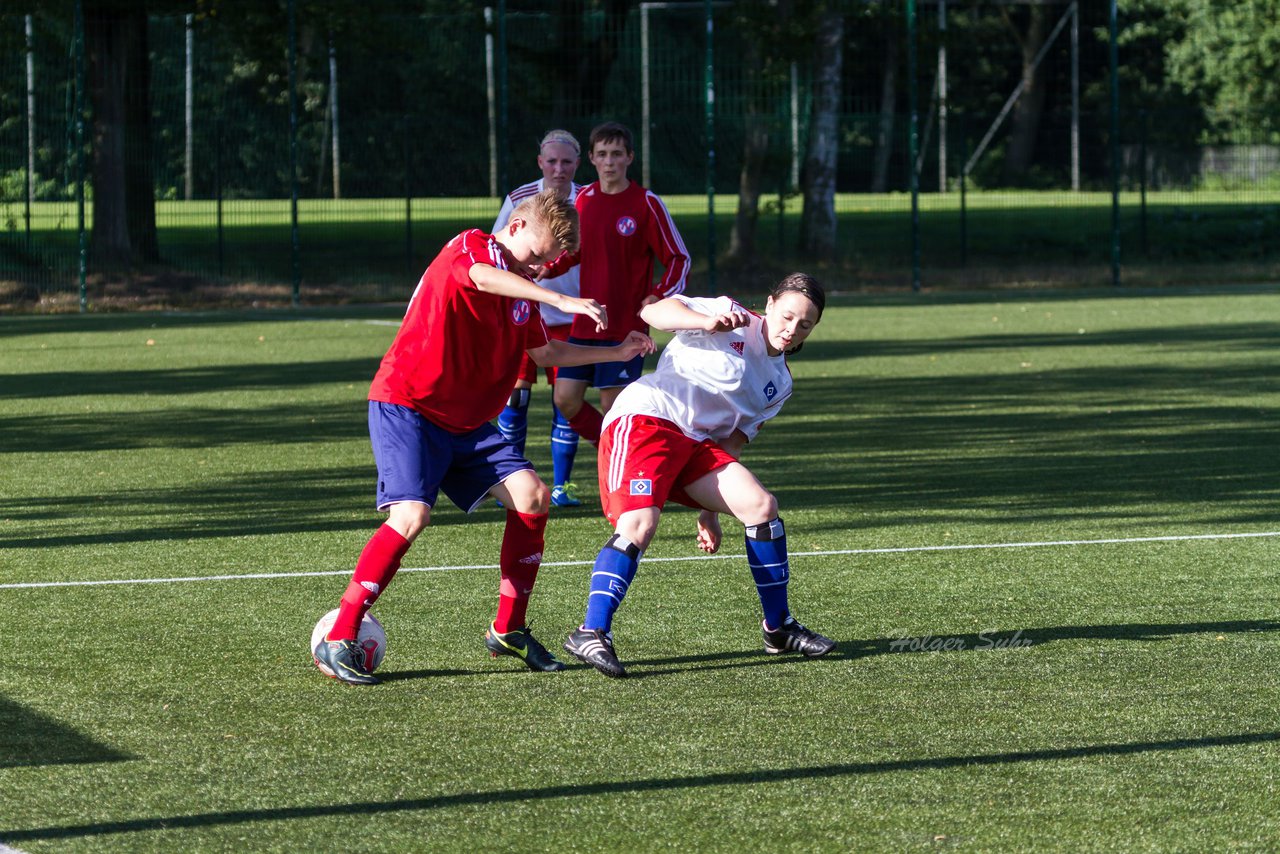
622, 234
457, 354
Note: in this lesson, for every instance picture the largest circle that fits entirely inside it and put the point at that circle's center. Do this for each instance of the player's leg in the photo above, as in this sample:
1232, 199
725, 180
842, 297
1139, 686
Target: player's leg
637, 458
570, 397
527, 500
513, 421
735, 490
564, 450
410, 459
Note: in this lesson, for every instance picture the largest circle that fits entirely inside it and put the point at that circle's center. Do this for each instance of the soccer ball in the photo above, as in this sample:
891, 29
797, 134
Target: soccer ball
372, 639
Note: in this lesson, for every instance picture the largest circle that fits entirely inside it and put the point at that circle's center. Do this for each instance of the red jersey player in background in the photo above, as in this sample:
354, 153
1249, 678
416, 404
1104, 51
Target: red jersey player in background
558, 157
445, 377
625, 230
678, 432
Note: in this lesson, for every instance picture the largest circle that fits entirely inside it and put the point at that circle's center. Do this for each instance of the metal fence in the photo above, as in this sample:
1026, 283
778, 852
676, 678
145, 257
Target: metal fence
292, 147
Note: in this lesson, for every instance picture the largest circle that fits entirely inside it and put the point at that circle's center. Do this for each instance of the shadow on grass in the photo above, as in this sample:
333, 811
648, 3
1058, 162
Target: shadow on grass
1105, 444
28, 739
1007, 639
543, 794
971, 642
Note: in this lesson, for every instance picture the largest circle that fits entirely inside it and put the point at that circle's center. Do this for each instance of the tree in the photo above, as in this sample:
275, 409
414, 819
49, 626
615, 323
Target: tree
818, 221
1230, 61
124, 217
773, 37
888, 100
1028, 109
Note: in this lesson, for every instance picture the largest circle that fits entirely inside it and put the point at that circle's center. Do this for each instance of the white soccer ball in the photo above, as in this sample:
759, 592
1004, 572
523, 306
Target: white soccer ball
371, 638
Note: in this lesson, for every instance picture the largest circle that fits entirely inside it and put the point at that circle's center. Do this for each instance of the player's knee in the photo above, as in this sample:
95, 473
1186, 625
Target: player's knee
638, 527
569, 403
409, 518
532, 498
757, 508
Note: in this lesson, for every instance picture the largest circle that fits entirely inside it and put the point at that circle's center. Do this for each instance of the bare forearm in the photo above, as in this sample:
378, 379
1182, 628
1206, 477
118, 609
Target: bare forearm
491, 280
672, 315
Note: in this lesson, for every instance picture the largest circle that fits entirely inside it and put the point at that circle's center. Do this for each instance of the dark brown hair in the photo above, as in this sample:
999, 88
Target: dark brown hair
802, 283
611, 132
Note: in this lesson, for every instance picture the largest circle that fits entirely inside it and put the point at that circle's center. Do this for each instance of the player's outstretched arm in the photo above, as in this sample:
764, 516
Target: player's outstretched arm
672, 315
562, 354
491, 280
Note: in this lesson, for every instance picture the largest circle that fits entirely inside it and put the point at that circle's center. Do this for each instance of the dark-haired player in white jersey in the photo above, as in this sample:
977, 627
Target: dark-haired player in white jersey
677, 433
558, 157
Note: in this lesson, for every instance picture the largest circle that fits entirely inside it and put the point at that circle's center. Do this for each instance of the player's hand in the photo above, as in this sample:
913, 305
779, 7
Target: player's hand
635, 344
589, 307
709, 532
649, 300
728, 320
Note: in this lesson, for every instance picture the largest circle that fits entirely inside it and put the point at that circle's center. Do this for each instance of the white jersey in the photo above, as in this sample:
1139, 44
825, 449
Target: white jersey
711, 383
567, 282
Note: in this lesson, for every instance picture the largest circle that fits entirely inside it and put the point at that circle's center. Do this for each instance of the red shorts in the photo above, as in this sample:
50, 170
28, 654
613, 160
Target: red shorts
529, 368
644, 461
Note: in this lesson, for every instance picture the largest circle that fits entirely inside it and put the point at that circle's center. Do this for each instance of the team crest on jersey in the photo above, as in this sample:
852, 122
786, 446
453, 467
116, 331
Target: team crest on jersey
520, 312
641, 486
738, 347
626, 226
770, 391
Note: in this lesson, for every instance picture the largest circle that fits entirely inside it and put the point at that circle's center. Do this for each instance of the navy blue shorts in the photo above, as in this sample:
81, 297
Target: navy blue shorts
605, 374
417, 459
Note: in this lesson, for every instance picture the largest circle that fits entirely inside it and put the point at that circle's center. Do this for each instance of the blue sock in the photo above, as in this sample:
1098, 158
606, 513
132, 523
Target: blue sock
564, 447
513, 422
767, 556
615, 567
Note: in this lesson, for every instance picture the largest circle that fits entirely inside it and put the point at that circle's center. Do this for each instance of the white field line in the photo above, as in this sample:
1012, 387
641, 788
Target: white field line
5, 849
1172, 538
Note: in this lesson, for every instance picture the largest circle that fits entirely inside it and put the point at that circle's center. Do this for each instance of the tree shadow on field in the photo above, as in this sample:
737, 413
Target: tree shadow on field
1103, 443
29, 738
320, 500
836, 771
1018, 638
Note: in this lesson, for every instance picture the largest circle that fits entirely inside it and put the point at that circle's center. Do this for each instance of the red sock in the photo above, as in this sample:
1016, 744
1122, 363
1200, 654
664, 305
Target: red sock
378, 563
521, 556
587, 423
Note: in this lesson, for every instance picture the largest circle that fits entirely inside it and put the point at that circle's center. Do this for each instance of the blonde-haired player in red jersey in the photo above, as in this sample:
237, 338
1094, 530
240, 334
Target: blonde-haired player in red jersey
677, 433
444, 378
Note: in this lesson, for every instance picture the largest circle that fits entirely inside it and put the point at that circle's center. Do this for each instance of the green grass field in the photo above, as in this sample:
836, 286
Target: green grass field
1043, 527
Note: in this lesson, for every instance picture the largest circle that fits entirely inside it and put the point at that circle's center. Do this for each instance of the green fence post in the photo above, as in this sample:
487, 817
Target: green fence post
710, 107
913, 138
1142, 181
78, 38
295, 242
1115, 146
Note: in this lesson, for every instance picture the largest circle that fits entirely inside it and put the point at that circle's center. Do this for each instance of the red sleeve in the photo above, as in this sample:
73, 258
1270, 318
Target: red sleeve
565, 262
668, 247
473, 247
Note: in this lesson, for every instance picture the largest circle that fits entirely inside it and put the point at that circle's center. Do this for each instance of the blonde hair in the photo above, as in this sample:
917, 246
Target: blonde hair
558, 216
564, 138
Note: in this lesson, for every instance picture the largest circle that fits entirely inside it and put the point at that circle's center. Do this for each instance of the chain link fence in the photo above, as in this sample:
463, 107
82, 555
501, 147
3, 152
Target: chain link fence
335, 156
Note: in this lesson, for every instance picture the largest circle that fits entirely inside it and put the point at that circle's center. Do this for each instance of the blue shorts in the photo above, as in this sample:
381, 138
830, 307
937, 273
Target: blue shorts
604, 374
417, 459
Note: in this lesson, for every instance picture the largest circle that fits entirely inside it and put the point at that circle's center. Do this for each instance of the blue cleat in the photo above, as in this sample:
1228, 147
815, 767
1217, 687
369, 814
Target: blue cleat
565, 495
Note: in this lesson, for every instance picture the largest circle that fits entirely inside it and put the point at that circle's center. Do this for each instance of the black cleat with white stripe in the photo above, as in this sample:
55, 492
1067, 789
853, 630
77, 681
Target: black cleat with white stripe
595, 647
793, 637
